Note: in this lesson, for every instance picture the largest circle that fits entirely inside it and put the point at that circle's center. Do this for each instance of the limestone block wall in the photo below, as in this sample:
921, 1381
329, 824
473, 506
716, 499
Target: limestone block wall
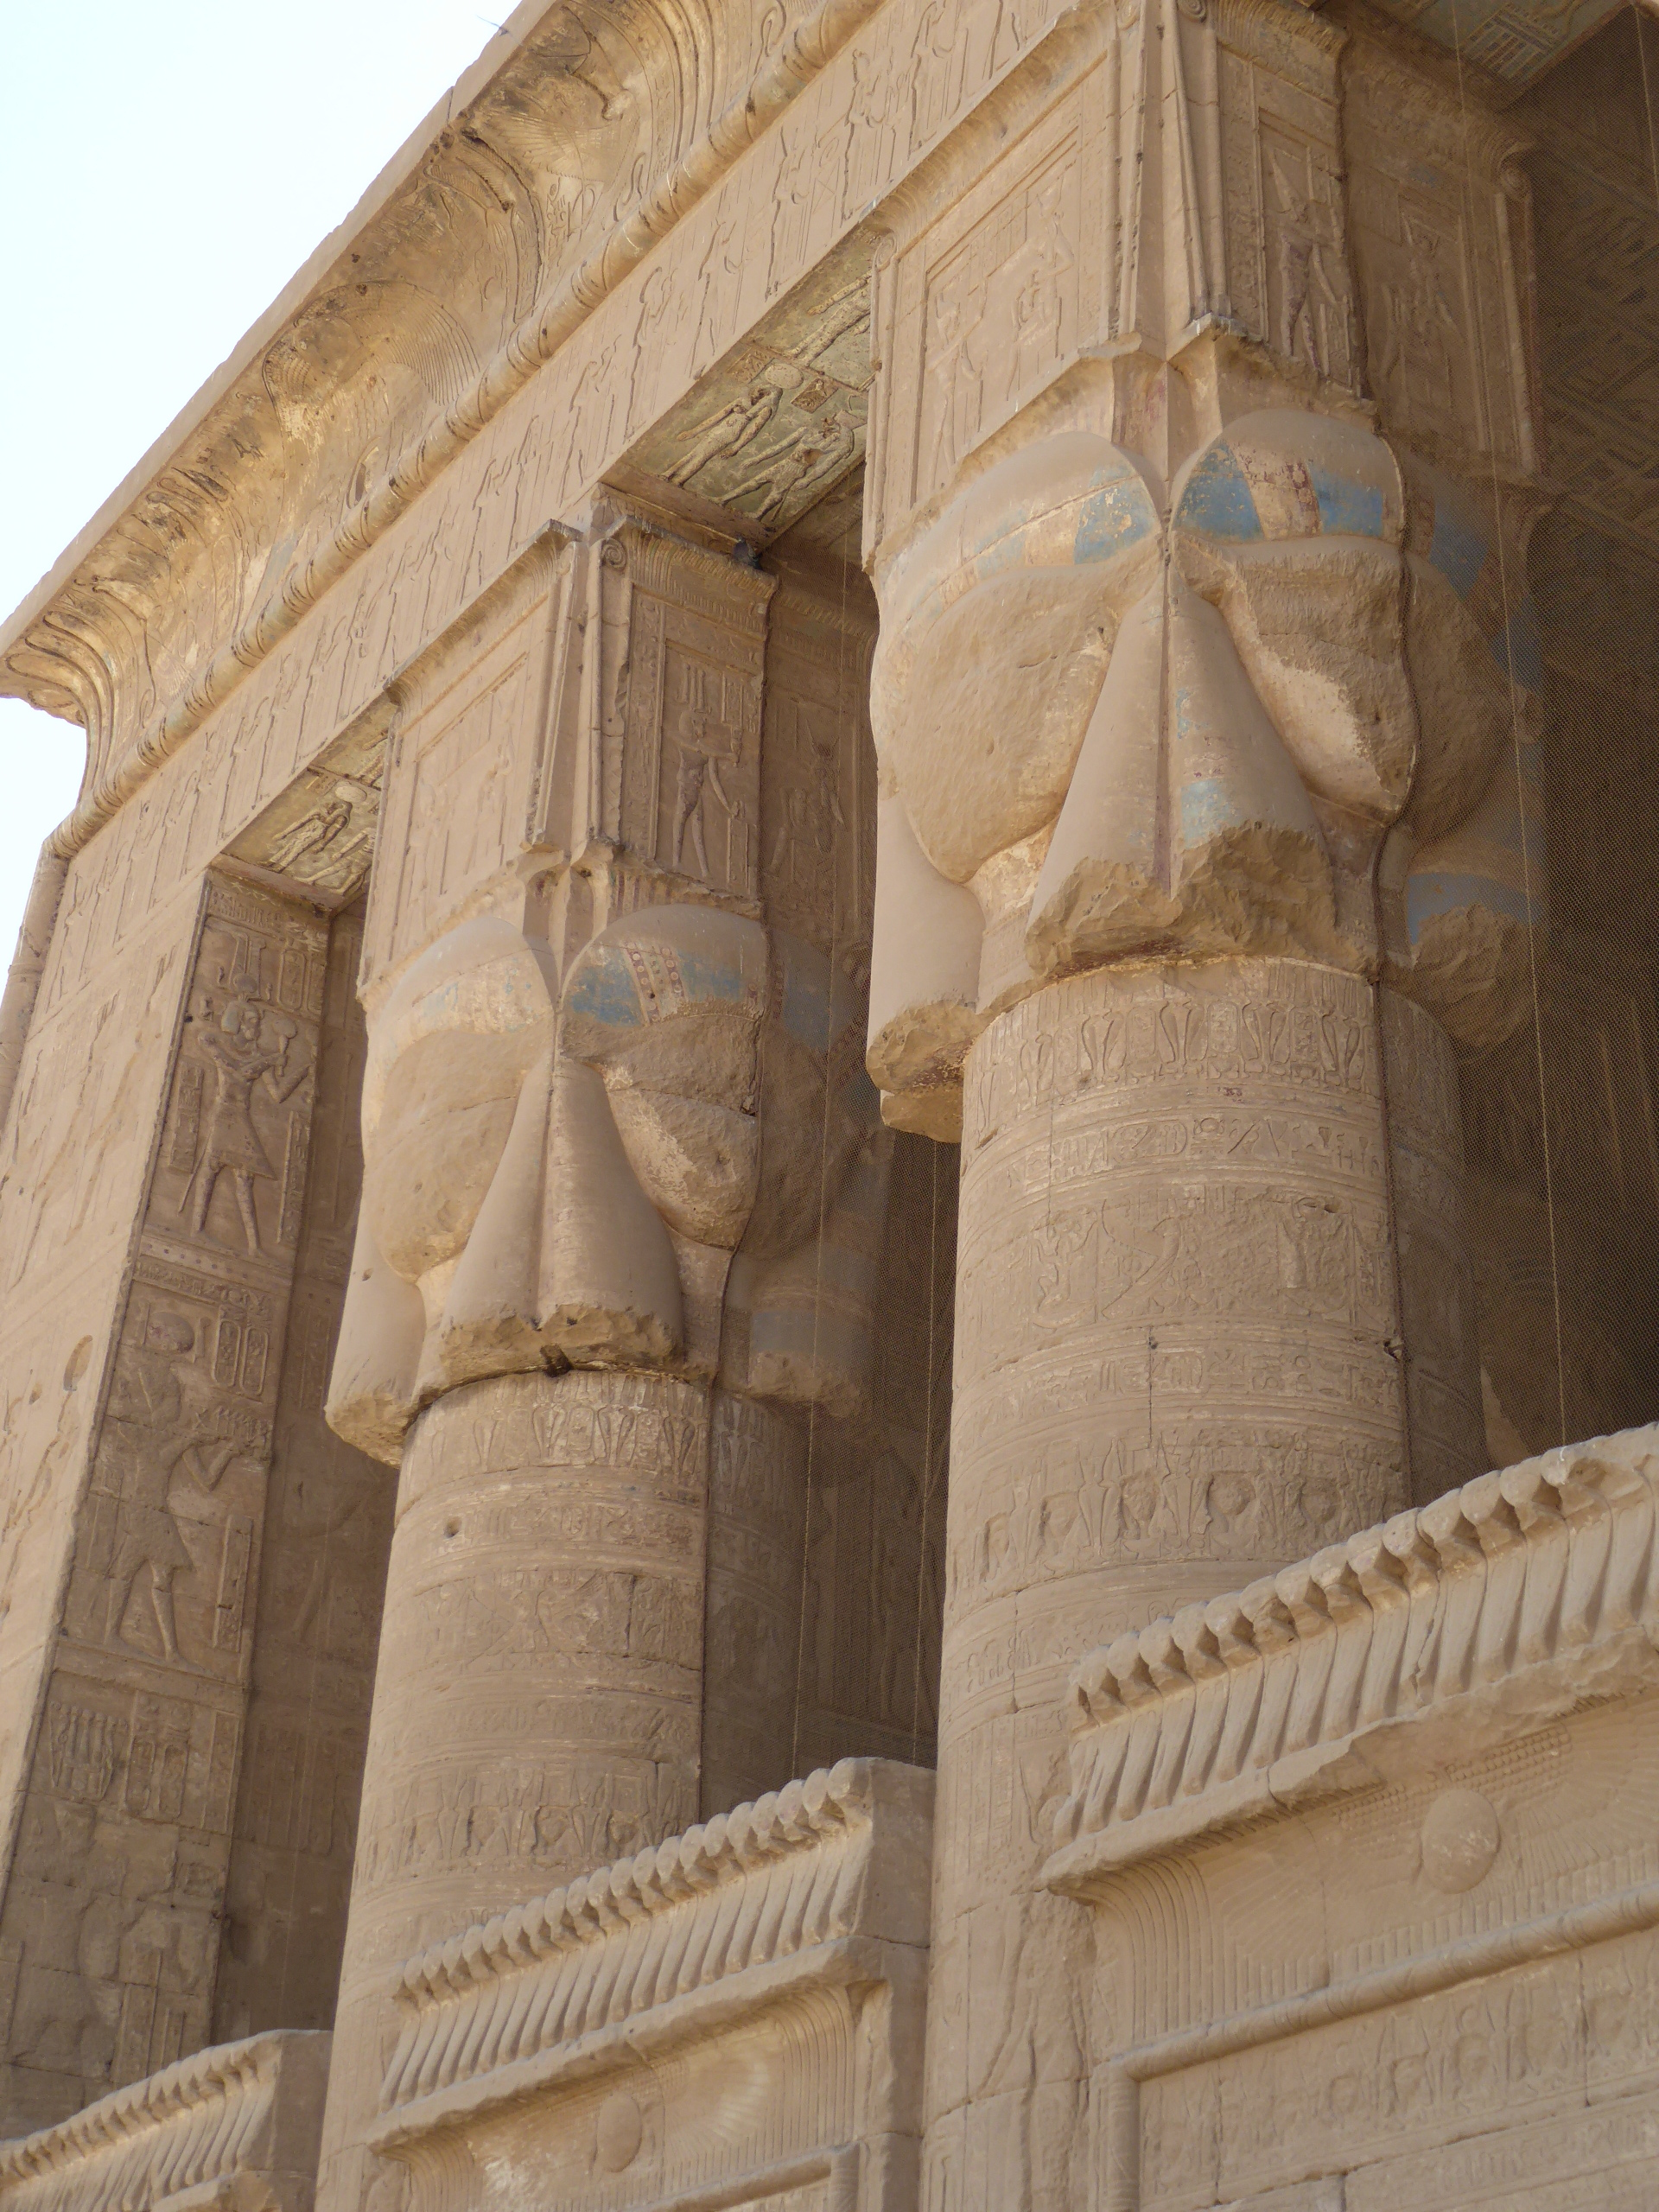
1368, 1847
1179, 794
732, 2017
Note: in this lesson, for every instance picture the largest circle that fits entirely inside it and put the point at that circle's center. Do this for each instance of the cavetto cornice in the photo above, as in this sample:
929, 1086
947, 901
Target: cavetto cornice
1494, 1609
588, 131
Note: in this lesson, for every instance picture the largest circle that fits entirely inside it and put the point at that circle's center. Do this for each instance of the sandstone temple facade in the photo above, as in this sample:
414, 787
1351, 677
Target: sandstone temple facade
856, 988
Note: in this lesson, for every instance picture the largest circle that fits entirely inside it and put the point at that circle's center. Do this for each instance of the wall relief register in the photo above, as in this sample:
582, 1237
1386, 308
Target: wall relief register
848, 1002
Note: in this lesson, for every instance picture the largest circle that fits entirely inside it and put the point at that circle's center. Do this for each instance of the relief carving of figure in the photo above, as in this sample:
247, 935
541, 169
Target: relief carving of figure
150, 1434
812, 457
699, 776
335, 841
1308, 299
249, 1044
737, 425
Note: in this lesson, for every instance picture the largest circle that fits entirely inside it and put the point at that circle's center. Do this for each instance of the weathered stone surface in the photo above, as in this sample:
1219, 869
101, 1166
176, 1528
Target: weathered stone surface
736, 2016
1401, 1788
235, 2126
812, 583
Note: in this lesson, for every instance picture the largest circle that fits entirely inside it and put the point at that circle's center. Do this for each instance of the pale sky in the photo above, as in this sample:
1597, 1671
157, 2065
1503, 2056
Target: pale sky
166, 167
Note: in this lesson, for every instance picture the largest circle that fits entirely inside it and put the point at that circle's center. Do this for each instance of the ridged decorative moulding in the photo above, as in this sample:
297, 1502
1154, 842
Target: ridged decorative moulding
236, 2125
1500, 1606
824, 1881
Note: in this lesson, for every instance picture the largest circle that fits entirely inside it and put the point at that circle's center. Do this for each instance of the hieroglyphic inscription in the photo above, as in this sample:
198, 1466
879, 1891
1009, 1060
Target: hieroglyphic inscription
875, 1496
540, 1668
681, 769
465, 754
751, 1698
1434, 246
1175, 1293
323, 1571
1284, 223
1179, 1221
118, 1883
818, 798
1467, 2065
992, 302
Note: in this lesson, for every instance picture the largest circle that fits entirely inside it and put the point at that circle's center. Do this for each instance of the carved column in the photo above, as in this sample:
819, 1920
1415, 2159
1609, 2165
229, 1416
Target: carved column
116, 1889
617, 1140
1159, 668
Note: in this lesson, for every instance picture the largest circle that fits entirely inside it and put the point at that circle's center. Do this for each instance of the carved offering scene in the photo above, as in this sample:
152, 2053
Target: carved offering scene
829, 1150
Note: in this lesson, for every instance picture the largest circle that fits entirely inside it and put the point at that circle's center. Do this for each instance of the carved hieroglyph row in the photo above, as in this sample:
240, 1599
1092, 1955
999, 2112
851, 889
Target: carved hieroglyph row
1370, 1851
539, 1687
1532, 1585
234, 2124
1174, 1238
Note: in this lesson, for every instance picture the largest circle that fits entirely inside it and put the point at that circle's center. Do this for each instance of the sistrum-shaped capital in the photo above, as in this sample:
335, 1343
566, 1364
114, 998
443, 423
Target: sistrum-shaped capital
1114, 724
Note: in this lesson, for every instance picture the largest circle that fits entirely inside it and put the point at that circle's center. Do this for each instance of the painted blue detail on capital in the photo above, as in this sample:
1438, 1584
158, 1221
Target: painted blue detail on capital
1457, 549
1208, 807
604, 988
1348, 508
1431, 894
702, 979
1217, 501
1114, 517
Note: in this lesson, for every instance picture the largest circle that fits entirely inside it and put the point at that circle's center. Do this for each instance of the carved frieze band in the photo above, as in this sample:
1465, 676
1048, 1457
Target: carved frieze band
841, 1855
1542, 1579
247, 2112
629, 351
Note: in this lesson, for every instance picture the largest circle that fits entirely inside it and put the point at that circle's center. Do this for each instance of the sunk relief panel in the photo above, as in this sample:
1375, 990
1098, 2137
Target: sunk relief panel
681, 788
328, 1525
470, 737
1439, 232
121, 1859
1282, 187
817, 795
994, 299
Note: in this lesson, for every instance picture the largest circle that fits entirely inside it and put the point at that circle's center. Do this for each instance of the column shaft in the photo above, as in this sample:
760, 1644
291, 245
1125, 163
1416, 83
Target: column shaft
539, 1694
1176, 1369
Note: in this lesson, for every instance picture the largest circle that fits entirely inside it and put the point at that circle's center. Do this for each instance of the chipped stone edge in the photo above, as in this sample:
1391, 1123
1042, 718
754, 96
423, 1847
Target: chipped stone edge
189, 2129
1523, 1595
575, 1981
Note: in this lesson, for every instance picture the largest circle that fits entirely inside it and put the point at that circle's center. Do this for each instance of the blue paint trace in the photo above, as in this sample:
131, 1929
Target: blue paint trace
1347, 508
1217, 501
1456, 549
